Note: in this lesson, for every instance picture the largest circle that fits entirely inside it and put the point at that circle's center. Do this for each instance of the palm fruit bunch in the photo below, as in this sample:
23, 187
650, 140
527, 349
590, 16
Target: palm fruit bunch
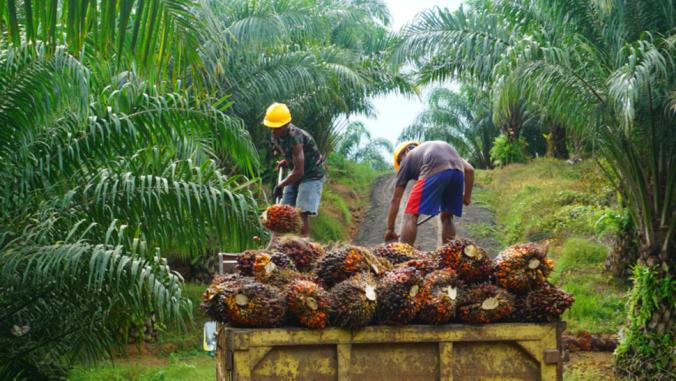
255, 305
544, 304
282, 261
396, 252
440, 293
309, 303
354, 301
266, 271
423, 264
245, 262
345, 262
471, 262
304, 253
398, 296
523, 267
212, 298
282, 219
485, 303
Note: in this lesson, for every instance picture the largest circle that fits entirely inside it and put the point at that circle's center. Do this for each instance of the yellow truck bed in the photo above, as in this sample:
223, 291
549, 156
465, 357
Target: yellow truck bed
503, 351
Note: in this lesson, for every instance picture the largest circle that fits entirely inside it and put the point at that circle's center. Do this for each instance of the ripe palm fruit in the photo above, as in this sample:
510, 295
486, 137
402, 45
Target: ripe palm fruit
396, 252
523, 267
544, 304
398, 296
212, 298
485, 303
345, 262
440, 293
354, 301
282, 261
423, 264
255, 305
304, 253
245, 262
282, 219
471, 262
309, 303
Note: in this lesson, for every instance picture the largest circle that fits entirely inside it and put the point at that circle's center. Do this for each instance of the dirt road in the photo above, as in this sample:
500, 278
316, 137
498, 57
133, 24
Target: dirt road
429, 234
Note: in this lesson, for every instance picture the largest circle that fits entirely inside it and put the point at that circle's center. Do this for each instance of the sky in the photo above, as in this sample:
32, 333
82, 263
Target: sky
394, 112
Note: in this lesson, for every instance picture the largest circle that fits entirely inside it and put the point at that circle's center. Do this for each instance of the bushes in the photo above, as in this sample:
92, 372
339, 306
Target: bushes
505, 152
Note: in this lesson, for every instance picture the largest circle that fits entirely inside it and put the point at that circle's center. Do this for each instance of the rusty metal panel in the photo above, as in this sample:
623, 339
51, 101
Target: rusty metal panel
507, 351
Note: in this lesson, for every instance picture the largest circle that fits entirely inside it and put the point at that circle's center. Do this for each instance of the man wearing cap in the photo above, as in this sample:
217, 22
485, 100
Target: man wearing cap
302, 188
444, 182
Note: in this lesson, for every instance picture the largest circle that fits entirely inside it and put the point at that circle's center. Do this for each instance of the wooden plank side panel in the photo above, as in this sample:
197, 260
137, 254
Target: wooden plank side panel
452, 352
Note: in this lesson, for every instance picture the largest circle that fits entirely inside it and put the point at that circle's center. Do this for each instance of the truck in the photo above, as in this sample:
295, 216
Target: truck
498, 351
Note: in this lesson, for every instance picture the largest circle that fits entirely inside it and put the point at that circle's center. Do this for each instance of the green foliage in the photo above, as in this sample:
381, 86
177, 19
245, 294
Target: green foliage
506, 152
157, 37
546, 199
97, 178
641, 349
550, 199
599, 304
179, 367
347, 191
356, 144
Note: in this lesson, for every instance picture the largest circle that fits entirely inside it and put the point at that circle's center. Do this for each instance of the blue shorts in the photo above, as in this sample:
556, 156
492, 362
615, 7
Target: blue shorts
441, 192
305, 195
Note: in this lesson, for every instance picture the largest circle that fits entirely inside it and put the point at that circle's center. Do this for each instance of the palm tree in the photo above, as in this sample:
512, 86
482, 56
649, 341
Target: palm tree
324, 59
604, 69
96, 179
356, 143
157, 37
463, 119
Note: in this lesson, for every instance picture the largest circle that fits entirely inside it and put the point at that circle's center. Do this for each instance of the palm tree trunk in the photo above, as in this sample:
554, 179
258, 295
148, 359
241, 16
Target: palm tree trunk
623, 254
560, 150
647, 350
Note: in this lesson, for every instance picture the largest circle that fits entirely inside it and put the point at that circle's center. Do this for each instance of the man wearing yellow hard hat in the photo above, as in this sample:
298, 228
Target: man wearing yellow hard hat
302, 188
444, 182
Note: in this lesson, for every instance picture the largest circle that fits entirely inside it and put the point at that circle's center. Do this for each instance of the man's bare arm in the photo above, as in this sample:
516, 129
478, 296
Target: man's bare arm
298, 166
392, 213
469, 182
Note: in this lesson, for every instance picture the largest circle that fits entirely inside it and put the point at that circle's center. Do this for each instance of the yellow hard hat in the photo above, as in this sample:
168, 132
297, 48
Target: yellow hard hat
277, 115
400, 148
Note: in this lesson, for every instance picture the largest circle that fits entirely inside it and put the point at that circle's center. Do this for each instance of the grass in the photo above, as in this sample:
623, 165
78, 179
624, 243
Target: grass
192, 366
550, 200
345, 196
176, 356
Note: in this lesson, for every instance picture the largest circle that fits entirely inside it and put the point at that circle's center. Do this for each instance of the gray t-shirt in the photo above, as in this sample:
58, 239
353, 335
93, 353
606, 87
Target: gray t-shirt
428, 159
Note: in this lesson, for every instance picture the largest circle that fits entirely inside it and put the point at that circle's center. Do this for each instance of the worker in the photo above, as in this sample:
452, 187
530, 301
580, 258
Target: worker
444, 182
302, 188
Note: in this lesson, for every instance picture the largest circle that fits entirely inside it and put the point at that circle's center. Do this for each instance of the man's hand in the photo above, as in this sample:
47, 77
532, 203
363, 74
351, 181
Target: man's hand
281, 164
390, 235
467, 200
278, 191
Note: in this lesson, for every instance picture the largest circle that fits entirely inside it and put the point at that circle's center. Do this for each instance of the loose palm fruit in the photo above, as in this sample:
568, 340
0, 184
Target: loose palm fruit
440, 293
282, 219
354, 301
398, 296
309, 303
485, 303
523, 267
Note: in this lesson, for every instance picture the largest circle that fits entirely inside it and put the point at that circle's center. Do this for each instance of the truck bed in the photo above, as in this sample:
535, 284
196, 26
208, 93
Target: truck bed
502, 351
